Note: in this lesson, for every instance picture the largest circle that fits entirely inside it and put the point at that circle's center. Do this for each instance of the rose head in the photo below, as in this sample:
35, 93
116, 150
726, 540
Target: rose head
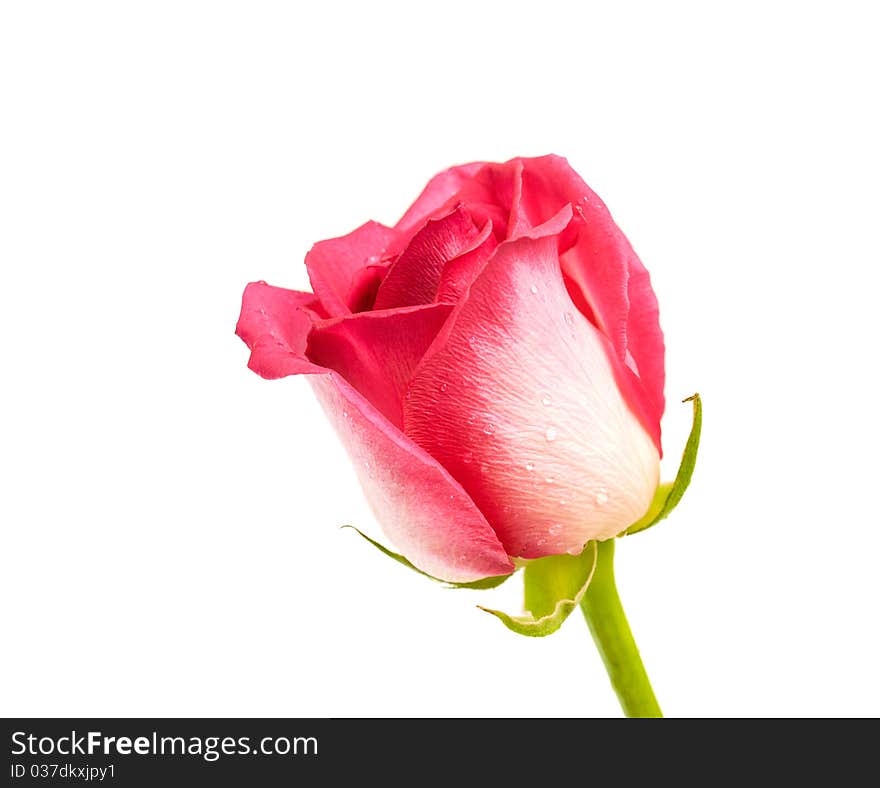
493, 364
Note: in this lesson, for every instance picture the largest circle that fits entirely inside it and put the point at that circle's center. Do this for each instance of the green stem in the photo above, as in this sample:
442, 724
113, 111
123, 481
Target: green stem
613, 638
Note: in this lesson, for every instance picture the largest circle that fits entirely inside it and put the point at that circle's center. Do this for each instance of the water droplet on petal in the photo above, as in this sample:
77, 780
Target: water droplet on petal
530, 466
546, 399
602, 497
569, 318
489, 429
534, 290
467, 457
549, 480
444, 386
550, 435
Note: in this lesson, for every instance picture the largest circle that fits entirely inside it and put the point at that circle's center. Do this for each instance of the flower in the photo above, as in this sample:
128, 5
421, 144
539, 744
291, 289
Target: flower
493, 364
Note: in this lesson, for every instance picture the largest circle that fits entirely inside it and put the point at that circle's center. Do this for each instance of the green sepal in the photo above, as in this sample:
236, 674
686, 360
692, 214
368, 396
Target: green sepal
483, 583
669, 494
554, 586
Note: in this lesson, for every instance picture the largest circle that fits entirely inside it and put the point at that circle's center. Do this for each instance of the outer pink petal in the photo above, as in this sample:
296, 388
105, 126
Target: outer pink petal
644, 339
333, 265
422, 509
413, 278
275, 323
377, 351
610, 278
518, 400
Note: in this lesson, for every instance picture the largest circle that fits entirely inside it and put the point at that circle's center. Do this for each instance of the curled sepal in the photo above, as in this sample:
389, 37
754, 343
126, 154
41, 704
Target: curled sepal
554, 586
669, 494
486, 582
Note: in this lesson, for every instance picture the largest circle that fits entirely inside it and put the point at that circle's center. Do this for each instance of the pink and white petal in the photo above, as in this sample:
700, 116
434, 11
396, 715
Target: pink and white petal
274, 323
333, 264
600, 265
425, 513
413, 278
517, 399
458, 274
440, 190
376, 352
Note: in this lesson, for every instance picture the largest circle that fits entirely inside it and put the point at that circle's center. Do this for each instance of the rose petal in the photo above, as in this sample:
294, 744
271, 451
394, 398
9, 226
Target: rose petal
414, 276
377, 351
334, 263
487, 190
420, 507
518, 224
531, 420
555, 225
491, 195
644, 340
609, 278
275, 323
440, 189
457, 275
365, 286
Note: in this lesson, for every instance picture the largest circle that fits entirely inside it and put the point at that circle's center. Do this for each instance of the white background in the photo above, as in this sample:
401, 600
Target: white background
170, 540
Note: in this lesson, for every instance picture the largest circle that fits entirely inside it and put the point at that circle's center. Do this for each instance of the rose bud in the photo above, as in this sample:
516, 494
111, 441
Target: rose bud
493, 364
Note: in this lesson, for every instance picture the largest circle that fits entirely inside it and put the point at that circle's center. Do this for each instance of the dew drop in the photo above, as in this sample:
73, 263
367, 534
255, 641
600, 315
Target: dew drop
467, 457
372, 259
550, 435
444, 386
569, 318
534, 290
563, 502
489, 429
549, 480
530, 466
601, 497
546, 399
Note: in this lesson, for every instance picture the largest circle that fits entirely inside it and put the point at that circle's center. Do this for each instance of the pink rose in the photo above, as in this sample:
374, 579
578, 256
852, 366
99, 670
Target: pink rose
493, 364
